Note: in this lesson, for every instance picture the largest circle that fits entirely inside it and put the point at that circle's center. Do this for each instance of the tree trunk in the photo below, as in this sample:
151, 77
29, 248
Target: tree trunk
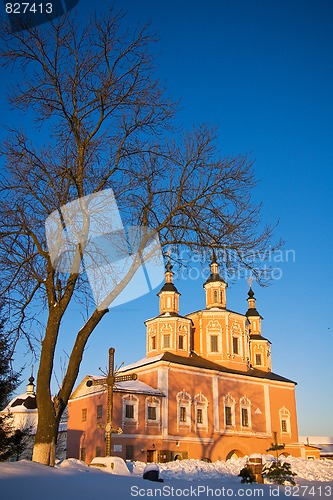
46, 439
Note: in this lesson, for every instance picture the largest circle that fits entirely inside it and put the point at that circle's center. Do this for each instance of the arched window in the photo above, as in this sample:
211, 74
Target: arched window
201, 411
152, 410
130, 409
245, 413
284, 415
183, 408
229, 411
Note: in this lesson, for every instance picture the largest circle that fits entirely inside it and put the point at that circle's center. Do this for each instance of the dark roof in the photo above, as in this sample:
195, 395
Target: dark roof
29, 402
168, 287
252, 312
199, 362
214, 277
255, 336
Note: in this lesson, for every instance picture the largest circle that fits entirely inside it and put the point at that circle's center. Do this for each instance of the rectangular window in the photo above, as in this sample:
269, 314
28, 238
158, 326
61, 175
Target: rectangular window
166, 341
153, 342
245, 417
129, 412
228, 415
151, 413
84, 414
235, 345
99, 411
181, 342
129, 452
182, 413
213, 343
199, 416
98, 452
82, 454
258, 359
284, 425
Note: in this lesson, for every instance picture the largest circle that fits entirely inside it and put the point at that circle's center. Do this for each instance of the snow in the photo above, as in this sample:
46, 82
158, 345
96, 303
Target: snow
192, 478
113, 465
140, 362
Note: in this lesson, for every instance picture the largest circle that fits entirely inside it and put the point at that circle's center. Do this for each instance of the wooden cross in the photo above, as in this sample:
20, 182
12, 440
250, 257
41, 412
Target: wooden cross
109, 381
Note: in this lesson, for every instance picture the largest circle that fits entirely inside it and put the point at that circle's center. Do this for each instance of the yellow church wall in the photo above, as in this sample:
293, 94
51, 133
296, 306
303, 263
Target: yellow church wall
280, 398
225, 325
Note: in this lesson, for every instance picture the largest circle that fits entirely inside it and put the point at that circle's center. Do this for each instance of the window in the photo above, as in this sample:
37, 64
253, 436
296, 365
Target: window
245, 417
201, 410
235, 345
153, 342
129, 452
245, 412
82, 454
184, 401
181, 342
99, 411
152, 406
284, 414
182, 413
258, 359
216, 296
151, 412
228, 415
129, 412
229, 411
166, 341
84, 414
98, 452
213, 343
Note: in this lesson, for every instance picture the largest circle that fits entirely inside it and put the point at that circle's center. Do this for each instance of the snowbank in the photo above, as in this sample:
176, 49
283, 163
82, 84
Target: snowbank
193, 478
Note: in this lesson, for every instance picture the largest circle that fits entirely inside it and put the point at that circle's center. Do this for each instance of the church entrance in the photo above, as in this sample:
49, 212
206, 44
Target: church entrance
151, 455
234, 454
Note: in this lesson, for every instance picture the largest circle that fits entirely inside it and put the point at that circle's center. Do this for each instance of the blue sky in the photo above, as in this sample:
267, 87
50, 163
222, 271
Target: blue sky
262, 72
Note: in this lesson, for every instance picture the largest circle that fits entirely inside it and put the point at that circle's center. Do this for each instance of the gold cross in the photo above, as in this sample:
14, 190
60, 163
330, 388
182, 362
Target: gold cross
109, 382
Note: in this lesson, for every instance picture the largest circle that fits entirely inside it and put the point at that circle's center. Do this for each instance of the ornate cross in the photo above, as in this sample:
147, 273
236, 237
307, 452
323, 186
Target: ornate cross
109, 381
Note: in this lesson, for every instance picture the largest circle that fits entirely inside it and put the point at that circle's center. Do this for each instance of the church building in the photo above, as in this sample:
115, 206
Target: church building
205, 389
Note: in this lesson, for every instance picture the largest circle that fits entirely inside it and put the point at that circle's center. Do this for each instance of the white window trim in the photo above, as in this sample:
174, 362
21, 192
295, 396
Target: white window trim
184, 399
229, 401
133, 400
284, 414
245, 404
153, 401
200, 401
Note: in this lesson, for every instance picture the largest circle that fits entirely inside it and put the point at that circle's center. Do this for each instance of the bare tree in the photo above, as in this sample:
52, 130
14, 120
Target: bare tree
104, 122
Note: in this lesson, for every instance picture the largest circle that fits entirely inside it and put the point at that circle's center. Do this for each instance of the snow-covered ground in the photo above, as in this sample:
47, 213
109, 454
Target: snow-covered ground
72, 479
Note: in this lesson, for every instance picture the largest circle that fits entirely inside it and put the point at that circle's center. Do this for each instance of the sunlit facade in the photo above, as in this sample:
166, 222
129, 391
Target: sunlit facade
205, 389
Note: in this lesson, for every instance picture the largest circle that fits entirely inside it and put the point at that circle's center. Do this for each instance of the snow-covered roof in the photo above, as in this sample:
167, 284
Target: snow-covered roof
141, 362
23, 403
132, 386
136, 386
316, 440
